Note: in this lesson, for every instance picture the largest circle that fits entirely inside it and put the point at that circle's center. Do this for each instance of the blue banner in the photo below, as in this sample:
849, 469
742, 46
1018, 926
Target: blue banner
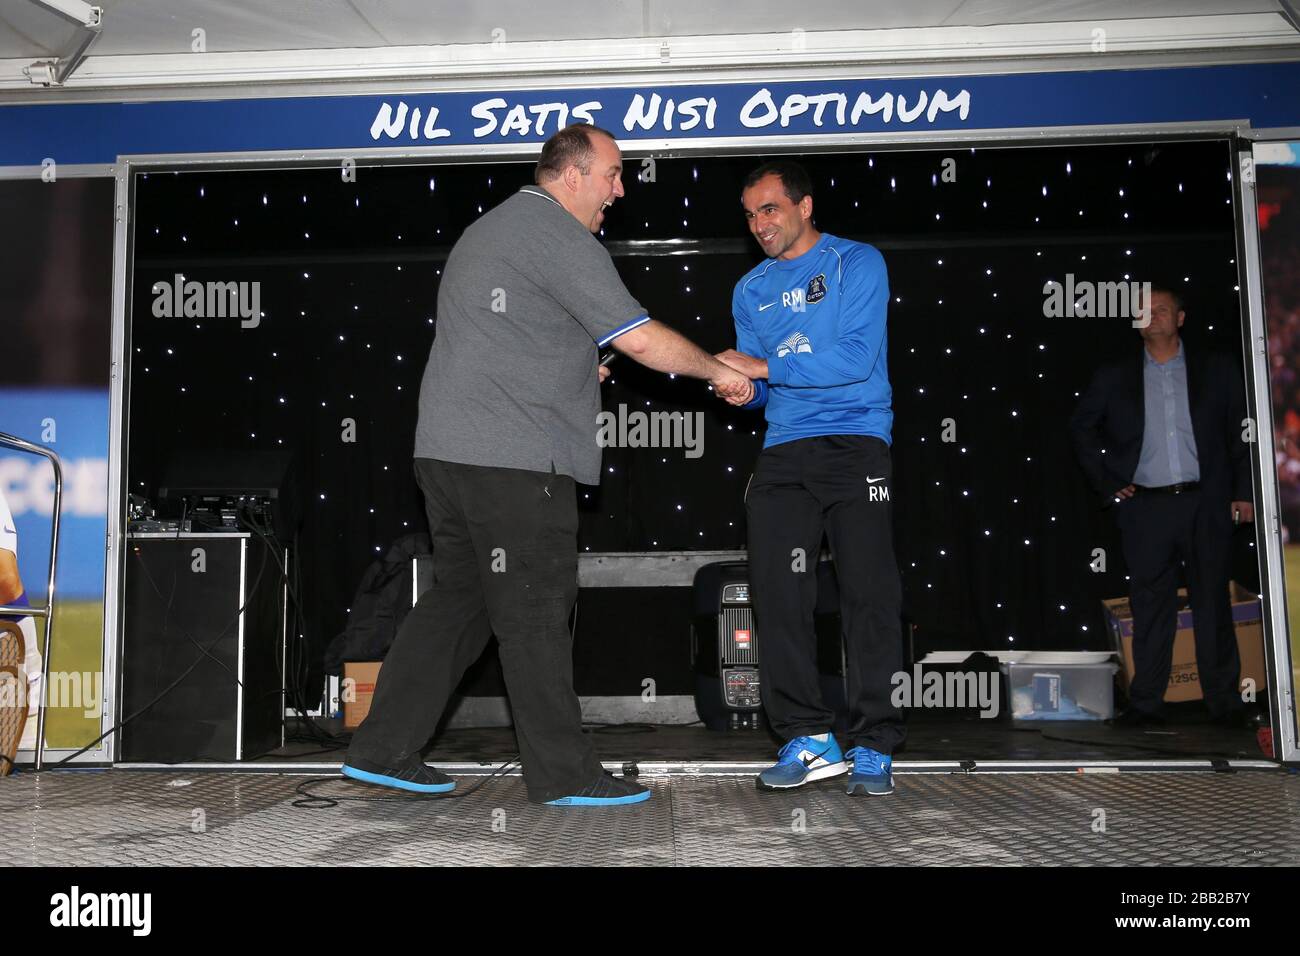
1261, 94
74, 424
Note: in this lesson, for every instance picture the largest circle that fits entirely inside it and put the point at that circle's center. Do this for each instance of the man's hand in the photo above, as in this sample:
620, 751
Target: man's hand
603, 372
732, 386
656, 346
746, 365
1126, 492
1242, 511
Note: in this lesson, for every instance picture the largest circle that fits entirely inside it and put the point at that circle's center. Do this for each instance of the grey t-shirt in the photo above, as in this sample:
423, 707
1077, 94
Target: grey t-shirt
527, 297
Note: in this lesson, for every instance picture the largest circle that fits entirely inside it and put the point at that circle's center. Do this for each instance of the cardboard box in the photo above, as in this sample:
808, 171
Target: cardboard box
358, 690
1184, 681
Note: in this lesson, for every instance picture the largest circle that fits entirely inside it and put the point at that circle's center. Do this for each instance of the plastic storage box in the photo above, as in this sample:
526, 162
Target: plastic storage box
1060, 686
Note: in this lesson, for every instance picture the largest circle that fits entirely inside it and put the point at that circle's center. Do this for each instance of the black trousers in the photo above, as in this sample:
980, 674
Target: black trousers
505, 561
840, 485
1157, 533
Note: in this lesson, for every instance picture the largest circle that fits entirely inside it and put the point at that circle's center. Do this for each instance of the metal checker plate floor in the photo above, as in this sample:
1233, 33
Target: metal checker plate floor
124, 817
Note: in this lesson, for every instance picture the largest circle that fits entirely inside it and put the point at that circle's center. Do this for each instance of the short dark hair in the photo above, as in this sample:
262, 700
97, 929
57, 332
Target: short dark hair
571, 146
794, 178
1170, 290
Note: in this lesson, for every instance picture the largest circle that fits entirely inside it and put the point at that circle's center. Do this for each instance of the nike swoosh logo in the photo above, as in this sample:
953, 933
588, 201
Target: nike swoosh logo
872, 481
810, 759
768, 306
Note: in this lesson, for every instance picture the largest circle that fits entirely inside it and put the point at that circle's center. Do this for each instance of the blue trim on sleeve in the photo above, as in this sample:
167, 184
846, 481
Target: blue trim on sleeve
639, 320
760, 395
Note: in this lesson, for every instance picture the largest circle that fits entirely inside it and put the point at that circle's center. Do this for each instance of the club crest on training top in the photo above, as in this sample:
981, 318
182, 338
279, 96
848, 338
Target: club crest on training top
816, 289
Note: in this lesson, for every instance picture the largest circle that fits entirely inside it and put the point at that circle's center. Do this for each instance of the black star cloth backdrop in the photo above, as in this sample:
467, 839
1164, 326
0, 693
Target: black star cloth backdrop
995, 530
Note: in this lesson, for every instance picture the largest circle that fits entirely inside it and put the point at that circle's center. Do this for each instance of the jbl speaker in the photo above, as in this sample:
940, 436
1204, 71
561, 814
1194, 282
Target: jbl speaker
202, 649
726, 647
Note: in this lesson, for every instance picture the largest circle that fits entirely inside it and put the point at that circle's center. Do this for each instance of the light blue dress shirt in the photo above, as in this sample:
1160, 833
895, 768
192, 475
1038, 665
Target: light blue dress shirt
1168, 445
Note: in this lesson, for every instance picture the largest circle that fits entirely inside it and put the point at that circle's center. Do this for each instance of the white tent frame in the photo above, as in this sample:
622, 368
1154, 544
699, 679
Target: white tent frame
1282, 696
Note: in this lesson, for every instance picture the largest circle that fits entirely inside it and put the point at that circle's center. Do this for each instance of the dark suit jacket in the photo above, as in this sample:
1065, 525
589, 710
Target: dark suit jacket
1111, 415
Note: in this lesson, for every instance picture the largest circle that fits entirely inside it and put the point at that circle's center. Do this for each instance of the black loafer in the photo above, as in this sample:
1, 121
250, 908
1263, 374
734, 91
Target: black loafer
412, 775
605, 791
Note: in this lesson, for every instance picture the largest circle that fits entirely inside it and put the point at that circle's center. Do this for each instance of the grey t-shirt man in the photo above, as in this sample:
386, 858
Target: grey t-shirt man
527, 298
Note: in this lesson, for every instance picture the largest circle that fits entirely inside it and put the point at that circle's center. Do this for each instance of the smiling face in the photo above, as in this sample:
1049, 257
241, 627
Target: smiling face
594, 191
783, 228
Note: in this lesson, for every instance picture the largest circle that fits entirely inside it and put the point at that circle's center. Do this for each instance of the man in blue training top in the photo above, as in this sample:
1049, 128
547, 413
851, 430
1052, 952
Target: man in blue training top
810, 330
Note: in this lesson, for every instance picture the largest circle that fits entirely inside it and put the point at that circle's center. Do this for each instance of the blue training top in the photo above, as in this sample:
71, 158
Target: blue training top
819, 320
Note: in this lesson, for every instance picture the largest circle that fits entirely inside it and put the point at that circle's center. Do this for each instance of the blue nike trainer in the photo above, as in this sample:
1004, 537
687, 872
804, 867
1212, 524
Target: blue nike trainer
871, 775
801, 761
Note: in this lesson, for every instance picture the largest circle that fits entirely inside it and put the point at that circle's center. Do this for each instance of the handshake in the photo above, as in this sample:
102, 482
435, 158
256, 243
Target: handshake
659, 347
733, 378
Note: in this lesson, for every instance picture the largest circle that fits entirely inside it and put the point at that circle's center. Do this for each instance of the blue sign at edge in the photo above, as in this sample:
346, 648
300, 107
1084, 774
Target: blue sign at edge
1262, 95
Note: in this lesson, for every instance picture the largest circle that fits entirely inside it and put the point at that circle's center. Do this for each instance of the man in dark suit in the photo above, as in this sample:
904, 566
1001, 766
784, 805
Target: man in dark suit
1161, 436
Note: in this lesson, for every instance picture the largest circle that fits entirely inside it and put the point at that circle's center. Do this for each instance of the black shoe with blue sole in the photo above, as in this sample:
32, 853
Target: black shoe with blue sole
606, 791
412, 775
